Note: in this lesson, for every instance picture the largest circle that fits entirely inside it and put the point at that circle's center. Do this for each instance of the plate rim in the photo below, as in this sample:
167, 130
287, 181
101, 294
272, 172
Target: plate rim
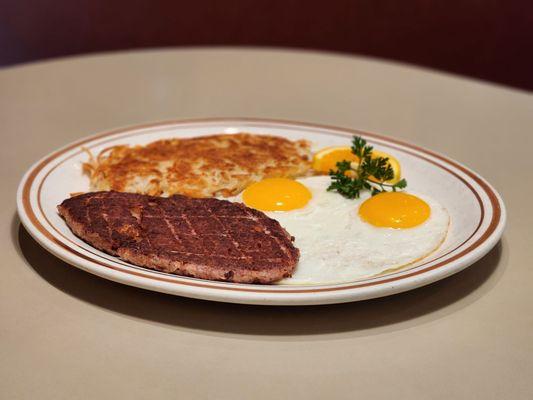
270, 295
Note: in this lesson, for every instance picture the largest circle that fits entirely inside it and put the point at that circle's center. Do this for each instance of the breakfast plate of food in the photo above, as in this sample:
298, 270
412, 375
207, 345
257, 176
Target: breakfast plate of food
259, 211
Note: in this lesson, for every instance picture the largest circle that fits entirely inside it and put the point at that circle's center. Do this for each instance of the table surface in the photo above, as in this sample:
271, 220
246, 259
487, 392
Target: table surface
67, 334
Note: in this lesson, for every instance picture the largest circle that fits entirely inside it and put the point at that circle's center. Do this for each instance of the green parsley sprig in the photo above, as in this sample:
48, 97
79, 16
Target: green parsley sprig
351, 178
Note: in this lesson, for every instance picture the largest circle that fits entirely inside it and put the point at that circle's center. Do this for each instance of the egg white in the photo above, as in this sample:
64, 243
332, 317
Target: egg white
337, 246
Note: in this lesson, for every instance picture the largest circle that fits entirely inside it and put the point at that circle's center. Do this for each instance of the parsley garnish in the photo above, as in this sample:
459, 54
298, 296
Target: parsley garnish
369, 174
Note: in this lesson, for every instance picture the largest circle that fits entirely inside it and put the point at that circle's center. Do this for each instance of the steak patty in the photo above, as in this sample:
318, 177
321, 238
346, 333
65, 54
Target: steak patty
202, 238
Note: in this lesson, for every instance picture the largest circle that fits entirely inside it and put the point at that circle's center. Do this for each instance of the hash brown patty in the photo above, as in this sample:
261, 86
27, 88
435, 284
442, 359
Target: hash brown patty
203, 166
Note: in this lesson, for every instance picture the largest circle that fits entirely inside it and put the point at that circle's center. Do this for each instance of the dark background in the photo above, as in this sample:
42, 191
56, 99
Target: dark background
486, 39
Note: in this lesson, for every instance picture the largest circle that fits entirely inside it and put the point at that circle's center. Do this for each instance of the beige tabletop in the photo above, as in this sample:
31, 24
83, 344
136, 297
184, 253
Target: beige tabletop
65, 334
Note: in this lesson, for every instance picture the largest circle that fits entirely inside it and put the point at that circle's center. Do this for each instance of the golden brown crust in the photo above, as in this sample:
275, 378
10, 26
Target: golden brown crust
217, 165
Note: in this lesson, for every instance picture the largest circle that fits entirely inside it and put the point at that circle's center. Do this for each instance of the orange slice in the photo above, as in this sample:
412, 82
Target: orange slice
393, 162
327, 159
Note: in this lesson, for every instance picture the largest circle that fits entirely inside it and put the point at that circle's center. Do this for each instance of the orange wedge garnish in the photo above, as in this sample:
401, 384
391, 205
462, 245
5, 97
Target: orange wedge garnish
327, 159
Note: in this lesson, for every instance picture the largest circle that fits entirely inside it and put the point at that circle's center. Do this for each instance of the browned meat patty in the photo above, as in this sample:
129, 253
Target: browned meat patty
203, 238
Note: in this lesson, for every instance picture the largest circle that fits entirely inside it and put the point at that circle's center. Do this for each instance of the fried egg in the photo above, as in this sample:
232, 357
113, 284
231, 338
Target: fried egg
342, 240
276, 194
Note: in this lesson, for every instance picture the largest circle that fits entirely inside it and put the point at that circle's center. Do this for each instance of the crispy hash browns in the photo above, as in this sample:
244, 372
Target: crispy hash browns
217, 165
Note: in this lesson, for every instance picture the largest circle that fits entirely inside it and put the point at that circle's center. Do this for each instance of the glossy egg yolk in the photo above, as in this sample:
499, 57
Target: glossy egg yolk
394, 210
276, 194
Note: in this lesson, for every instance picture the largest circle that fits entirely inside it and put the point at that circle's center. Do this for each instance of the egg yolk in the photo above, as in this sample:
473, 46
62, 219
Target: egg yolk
394, 210
276, 194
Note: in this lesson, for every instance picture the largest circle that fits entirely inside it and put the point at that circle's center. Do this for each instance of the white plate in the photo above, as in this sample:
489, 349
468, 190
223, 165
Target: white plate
476, 210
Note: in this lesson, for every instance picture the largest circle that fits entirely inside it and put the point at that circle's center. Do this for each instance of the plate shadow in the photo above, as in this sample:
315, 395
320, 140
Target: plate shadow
389, 313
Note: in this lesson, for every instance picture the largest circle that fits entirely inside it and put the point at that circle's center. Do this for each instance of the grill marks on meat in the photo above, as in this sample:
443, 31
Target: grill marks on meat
203, 238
